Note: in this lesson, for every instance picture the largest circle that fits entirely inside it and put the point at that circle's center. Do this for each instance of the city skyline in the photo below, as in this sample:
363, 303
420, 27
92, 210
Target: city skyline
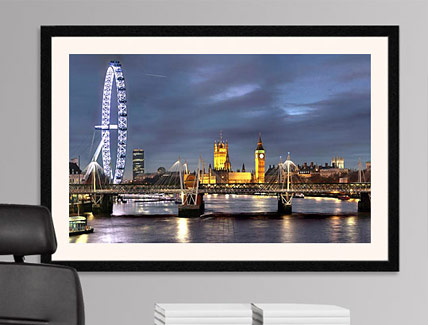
314, 106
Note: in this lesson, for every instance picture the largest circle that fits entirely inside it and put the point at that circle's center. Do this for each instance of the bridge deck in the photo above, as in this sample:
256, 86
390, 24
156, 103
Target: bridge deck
251, 189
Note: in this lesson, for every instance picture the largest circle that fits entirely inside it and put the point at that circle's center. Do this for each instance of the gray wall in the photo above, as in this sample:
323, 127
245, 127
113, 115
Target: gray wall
127, 298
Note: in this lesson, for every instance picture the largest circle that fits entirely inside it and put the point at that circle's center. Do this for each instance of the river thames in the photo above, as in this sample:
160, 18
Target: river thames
232, 219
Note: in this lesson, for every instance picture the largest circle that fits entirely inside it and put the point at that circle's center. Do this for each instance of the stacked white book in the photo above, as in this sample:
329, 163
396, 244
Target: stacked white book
286, 314
203, 314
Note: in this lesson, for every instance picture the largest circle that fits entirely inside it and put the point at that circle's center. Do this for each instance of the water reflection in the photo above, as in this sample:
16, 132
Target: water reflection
352, 228
233, 219
182, 230
82, 239
335, 229
351, 221
288, 229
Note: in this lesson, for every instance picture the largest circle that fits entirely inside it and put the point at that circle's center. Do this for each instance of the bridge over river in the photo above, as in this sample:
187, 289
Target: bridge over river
192, 197
353, 189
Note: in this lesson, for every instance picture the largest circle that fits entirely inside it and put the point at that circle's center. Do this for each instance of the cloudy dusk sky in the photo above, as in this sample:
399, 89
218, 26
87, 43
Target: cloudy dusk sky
314, 106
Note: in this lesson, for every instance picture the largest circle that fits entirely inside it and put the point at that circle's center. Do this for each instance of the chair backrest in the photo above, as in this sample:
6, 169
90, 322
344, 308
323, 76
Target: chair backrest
35, 294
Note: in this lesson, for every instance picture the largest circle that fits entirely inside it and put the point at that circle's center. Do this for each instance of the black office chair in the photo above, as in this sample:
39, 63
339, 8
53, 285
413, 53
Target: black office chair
35, 294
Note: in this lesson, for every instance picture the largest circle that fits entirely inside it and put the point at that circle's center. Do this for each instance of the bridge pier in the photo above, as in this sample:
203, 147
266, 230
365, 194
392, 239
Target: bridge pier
104, 206
192, 210
284, 205
364, 205
78, 206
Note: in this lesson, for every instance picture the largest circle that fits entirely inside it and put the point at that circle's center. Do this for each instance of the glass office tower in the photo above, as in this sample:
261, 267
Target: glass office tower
137, 164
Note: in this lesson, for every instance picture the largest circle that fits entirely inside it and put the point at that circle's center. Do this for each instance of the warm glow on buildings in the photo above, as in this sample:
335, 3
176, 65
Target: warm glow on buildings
239, 177
208, 178
260, 157
222, 172
221, 155
338, 162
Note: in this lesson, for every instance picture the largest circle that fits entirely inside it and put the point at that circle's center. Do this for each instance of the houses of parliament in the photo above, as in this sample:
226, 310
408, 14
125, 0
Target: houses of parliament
222, 171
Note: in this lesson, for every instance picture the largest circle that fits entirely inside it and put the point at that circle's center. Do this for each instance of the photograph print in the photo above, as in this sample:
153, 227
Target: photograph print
220, 148
233, 152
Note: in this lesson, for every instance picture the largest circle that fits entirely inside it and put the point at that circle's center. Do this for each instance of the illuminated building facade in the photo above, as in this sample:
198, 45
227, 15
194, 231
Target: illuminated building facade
259, 176
208, 178
137, 164
332, 171
222, 172
239, 177
338, 162
221, 155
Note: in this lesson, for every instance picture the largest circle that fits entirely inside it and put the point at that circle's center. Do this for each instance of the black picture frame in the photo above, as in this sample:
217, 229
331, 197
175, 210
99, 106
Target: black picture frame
391, 32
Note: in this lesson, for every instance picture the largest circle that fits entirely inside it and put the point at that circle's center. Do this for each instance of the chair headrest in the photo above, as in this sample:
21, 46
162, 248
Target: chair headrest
26, 230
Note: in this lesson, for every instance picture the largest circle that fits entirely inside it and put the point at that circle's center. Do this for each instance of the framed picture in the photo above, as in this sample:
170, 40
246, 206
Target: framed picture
221, 148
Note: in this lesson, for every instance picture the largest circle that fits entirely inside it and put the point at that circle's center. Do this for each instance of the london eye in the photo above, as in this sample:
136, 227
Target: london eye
114, 75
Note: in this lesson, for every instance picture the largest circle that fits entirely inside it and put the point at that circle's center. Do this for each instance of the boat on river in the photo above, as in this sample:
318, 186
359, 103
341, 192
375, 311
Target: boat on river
78, 225
344, 197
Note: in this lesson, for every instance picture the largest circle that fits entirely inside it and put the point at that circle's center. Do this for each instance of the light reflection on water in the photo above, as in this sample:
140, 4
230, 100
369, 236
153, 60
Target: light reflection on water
233, 219
182, 230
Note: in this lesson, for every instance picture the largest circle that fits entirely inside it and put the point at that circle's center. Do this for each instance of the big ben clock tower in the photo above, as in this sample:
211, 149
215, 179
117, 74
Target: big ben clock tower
260, 162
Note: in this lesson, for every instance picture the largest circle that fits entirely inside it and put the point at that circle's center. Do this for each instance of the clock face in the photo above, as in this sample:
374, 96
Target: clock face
261, 156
